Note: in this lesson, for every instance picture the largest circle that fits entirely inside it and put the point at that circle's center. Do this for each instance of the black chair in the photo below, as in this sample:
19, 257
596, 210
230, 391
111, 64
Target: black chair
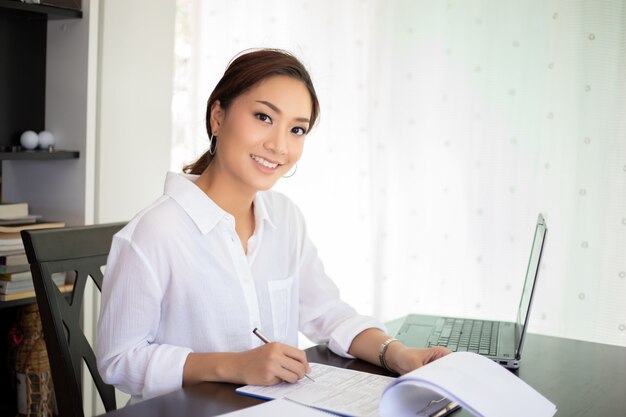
82, 250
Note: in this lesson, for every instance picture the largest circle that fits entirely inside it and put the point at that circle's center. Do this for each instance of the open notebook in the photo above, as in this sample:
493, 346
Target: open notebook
473, 381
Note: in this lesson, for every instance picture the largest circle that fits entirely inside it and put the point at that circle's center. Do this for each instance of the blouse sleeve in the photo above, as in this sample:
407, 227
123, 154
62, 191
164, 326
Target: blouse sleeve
126, 353
324, 317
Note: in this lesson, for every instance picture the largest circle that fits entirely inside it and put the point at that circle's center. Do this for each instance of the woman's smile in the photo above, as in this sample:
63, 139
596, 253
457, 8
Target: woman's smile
265, 163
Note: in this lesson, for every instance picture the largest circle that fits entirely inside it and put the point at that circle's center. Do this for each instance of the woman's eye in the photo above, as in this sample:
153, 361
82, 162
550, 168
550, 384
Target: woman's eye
298, 131
263, 117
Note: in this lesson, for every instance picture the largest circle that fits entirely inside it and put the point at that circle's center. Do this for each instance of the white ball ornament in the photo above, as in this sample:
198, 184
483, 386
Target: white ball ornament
46, 139
29, 140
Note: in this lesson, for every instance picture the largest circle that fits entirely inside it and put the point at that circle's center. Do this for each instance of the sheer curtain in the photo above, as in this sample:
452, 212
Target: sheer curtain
445, 128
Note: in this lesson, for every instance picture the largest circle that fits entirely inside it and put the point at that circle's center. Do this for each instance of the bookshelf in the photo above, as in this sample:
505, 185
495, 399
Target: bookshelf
42, 155
24, 55
44, 58
39, 9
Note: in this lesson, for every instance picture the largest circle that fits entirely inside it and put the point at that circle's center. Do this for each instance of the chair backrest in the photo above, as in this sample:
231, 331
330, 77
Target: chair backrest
82, 250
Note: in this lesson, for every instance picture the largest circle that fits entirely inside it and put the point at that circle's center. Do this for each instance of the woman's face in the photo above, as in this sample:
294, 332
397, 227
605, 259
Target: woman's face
261, 136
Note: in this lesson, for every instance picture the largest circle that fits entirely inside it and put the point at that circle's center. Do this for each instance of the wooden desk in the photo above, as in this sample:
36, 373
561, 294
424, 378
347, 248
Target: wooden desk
581, 378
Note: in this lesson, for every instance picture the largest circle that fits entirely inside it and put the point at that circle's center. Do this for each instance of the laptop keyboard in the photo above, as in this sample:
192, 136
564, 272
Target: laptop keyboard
464, 335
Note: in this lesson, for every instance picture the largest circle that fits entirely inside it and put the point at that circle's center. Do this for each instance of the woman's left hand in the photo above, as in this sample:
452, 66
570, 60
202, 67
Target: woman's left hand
403, 359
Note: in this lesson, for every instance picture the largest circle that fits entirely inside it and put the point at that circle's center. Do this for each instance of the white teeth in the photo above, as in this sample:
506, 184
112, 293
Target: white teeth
264, 162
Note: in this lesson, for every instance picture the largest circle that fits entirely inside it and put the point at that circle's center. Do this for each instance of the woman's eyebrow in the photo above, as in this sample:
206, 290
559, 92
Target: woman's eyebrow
277, 110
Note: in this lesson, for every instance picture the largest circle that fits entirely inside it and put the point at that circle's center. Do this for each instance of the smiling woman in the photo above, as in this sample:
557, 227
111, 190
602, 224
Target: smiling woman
190, 277
261, 130
245, 71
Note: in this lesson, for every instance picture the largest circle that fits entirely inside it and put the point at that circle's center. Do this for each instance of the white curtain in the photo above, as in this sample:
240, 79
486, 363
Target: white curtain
446, 127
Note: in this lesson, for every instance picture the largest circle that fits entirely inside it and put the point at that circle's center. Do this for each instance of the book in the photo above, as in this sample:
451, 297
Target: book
29, 294
16, 228
9, 232
12, 269
470, 380
31, 218
13, 210
25, 279
16, 245
11, 252
12, 287
10, 242
12, 259
16, 276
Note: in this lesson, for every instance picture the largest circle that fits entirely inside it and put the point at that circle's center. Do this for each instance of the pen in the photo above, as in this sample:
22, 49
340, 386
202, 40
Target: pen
452, 406
265, 340
433, 408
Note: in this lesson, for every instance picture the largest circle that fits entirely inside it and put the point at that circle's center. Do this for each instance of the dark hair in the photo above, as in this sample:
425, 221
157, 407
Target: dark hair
243, 73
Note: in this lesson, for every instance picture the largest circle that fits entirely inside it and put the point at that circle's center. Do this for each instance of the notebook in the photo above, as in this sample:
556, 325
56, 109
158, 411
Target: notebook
500, 341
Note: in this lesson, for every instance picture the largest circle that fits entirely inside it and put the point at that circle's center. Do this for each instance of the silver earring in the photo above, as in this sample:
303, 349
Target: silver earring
212, 144
293, 173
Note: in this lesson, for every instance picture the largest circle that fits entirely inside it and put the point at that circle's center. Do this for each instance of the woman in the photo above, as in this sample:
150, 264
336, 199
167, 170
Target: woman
190, 277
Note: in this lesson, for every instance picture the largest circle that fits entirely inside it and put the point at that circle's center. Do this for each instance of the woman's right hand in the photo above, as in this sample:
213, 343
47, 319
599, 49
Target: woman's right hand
270, 364
265, 365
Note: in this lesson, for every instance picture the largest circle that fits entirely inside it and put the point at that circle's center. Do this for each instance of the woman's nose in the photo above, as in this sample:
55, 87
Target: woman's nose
277, 143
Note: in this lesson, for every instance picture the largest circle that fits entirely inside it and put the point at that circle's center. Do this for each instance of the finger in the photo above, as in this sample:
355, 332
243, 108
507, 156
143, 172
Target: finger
297, 355
289, 363
296, 367
436, 353
441, 351
290, 371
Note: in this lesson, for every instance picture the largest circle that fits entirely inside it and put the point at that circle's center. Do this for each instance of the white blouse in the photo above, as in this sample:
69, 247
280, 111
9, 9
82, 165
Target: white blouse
178, 281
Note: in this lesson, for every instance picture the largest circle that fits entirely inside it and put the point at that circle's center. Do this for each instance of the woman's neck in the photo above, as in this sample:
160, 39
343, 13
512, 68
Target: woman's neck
234, 198
226, 193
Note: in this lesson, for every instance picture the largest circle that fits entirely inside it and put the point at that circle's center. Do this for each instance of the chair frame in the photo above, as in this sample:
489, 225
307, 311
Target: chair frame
84, 250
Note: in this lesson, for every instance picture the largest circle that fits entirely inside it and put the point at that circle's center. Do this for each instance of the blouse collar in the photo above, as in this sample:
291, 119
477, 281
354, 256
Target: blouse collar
204, 212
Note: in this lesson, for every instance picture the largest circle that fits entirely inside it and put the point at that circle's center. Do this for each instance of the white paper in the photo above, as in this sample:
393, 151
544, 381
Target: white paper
341, 390
477, 383
277, 408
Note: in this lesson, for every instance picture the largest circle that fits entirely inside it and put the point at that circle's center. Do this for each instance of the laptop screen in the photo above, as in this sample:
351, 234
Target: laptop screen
529, 283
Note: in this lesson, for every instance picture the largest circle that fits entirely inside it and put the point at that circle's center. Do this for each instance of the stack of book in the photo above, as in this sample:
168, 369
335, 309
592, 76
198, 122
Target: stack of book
15, 278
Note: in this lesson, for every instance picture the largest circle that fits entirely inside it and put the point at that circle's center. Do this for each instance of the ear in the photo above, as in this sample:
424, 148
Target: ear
217, 117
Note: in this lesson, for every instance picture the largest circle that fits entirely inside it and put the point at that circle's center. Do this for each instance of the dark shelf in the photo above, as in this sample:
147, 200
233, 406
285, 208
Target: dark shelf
24, 301
50, 11
38, 155
20, 302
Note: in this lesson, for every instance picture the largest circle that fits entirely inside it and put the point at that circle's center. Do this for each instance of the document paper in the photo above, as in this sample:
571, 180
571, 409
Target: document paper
281, 407
344, 391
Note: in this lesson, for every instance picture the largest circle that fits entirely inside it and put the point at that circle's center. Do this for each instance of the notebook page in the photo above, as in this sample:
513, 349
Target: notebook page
340, 390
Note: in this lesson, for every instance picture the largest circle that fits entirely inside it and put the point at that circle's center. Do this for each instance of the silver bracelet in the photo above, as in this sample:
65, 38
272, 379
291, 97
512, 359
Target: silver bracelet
383, 350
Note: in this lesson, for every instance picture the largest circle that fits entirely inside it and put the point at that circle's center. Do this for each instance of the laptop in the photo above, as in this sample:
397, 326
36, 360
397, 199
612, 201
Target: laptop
498, 340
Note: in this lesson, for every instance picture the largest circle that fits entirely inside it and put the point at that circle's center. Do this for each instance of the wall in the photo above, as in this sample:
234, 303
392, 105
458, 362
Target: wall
134, 116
